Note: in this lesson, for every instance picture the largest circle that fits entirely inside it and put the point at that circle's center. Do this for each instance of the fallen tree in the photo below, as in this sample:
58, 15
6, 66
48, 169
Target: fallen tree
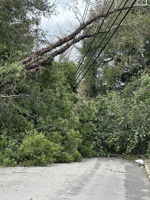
47, 54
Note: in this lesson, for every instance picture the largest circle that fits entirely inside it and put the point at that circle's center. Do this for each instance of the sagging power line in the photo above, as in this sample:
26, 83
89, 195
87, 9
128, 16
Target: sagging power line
101, 42
96, 32
130, 7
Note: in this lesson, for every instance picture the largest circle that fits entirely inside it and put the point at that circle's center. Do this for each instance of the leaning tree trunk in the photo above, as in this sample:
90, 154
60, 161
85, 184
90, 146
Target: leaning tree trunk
47, 54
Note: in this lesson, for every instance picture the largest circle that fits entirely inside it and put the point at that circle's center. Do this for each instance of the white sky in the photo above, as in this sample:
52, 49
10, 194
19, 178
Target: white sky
64, 20
64, 23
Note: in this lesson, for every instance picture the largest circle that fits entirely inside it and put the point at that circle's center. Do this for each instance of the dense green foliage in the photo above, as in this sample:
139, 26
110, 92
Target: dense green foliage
43, 121
37, 112
119, 123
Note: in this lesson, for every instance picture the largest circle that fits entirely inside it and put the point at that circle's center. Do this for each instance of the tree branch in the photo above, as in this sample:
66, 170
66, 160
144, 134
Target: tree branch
38, 62
14, 96
62, 41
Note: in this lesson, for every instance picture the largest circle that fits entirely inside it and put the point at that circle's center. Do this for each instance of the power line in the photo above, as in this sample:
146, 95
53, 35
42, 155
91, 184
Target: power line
104, 37
107, 42
99, 45
97, 31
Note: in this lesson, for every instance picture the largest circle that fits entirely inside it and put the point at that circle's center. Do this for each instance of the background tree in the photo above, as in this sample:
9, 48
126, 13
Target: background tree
19, 26
125, 56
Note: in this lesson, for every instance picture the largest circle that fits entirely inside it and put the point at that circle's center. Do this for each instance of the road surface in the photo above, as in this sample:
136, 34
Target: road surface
92, 179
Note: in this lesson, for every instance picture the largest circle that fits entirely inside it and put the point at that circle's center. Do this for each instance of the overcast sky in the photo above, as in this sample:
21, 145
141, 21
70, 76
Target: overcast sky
63, 23
64, 20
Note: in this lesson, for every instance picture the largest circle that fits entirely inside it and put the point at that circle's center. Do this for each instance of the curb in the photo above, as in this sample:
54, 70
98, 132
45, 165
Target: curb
147, 168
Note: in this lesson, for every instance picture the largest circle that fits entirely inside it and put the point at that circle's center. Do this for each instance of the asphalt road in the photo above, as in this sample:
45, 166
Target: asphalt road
92, 179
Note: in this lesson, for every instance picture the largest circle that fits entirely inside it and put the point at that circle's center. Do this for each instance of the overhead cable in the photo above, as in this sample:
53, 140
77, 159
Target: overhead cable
96, 32
107, 42
101, 42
